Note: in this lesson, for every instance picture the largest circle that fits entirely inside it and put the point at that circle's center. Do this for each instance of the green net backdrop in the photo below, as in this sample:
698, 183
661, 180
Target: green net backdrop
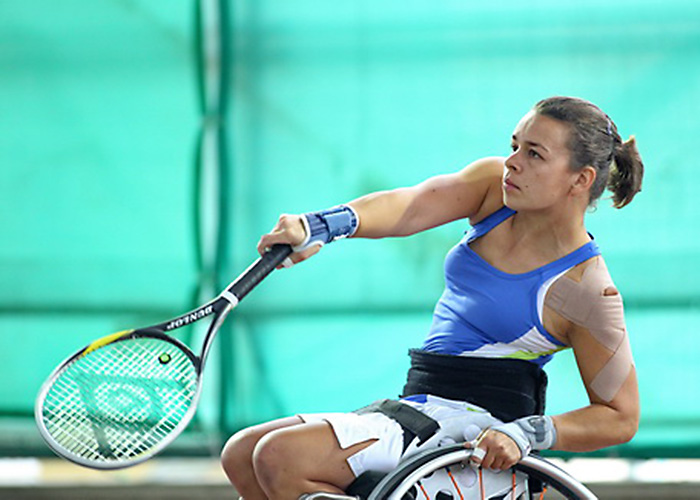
326, 101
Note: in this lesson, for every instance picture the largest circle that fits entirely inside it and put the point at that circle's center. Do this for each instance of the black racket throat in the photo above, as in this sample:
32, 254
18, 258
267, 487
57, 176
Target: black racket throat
215, 307
235, 292
218, 307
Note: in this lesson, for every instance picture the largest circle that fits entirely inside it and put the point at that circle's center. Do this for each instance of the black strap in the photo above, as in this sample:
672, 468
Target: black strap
413, 422
507, 388
364, 484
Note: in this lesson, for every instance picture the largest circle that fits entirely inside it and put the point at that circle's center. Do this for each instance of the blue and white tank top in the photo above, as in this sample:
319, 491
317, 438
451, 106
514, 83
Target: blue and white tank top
489, 313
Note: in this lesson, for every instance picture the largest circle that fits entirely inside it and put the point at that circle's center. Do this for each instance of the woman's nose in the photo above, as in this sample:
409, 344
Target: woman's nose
512, 162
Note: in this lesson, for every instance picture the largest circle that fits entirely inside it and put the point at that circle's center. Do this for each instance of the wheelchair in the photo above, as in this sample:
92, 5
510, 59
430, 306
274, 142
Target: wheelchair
446, 473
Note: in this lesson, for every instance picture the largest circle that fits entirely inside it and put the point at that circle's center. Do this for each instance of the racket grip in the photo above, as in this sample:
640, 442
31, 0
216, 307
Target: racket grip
259, 270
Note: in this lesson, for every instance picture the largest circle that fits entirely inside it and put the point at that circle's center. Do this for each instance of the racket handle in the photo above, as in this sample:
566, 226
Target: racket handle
259, 270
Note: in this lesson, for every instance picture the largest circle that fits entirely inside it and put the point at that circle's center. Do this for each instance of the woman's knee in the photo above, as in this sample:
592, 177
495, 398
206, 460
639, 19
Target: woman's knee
238, 451
273, 459
237, 454
287, 462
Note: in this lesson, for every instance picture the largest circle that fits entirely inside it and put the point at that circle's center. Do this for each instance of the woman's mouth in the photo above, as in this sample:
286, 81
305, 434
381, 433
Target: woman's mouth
508, 185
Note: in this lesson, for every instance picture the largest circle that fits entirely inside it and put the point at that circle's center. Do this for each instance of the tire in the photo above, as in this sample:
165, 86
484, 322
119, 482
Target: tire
437, 474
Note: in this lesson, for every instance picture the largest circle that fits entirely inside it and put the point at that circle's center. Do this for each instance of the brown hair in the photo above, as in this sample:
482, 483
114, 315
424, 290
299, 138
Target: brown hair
595, 141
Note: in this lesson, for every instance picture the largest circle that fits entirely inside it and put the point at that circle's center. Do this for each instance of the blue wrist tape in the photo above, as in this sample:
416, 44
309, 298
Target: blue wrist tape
329, 225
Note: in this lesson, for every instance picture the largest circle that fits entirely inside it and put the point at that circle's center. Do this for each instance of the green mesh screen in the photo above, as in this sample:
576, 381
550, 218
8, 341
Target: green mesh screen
326, 102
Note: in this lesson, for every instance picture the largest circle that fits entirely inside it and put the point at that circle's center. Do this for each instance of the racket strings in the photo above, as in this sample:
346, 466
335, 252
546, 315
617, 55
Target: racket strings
103, 417
121, 400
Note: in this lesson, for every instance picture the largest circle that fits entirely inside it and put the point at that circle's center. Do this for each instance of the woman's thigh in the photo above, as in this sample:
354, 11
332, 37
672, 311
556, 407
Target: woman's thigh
380, 437
308, 452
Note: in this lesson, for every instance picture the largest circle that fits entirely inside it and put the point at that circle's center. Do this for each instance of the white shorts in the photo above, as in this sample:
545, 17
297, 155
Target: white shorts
459, 421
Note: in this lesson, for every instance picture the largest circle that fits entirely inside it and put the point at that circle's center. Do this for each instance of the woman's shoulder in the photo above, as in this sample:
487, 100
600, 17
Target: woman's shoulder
591, 274
587, 298
488, 171
586, 294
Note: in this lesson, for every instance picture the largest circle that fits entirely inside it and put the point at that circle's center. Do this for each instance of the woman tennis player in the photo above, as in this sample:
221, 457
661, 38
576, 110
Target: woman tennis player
526, 281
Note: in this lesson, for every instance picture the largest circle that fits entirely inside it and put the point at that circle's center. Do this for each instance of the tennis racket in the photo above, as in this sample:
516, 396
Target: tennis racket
125, 397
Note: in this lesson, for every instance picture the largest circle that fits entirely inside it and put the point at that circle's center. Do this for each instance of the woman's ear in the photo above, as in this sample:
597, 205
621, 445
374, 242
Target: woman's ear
583, 180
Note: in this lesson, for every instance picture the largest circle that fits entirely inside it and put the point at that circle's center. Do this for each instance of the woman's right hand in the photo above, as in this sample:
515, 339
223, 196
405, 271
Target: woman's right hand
288, 230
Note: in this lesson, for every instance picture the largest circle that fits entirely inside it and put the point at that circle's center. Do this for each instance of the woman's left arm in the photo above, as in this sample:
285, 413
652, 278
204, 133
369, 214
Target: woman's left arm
604, 422
592, 308
598, 425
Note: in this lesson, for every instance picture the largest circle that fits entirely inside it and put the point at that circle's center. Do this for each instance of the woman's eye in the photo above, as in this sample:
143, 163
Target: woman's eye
534, 154
513, 147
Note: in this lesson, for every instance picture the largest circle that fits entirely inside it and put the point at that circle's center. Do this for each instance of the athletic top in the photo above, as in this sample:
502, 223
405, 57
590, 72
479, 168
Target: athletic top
486, 312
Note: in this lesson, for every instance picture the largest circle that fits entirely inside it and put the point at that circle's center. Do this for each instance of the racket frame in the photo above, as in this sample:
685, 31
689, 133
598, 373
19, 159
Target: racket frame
60, 450
222, 305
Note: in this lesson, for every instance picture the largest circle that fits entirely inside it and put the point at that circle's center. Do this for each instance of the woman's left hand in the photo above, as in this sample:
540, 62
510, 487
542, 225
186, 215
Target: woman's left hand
494, 450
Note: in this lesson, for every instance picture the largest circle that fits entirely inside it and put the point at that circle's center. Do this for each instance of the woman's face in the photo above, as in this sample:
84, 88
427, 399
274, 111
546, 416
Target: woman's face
537, 174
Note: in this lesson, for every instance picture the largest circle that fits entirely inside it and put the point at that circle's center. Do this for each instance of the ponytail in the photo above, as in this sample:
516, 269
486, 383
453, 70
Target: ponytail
625, 179
595, 142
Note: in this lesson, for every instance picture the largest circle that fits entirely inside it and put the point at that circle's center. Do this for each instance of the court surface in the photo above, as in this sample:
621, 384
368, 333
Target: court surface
202, 478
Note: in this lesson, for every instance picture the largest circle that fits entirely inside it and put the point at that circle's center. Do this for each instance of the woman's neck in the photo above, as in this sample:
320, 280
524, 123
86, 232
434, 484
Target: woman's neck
555, 231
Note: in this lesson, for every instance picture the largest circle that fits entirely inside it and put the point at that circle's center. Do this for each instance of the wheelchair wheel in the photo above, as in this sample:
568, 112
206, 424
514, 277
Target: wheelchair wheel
446, 474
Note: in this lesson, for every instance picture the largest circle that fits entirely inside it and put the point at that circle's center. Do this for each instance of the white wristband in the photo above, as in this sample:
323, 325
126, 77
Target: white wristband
536, 432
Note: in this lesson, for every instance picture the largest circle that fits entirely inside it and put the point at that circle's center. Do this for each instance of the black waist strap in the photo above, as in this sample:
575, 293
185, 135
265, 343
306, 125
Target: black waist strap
508, 388
414, 423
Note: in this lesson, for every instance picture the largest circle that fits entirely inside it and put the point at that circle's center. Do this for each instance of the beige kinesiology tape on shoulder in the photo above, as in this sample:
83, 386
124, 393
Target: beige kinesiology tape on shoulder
586, 304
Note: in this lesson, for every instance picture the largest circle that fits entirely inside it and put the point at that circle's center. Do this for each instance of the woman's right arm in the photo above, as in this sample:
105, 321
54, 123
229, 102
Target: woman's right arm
471, 192
432, 203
